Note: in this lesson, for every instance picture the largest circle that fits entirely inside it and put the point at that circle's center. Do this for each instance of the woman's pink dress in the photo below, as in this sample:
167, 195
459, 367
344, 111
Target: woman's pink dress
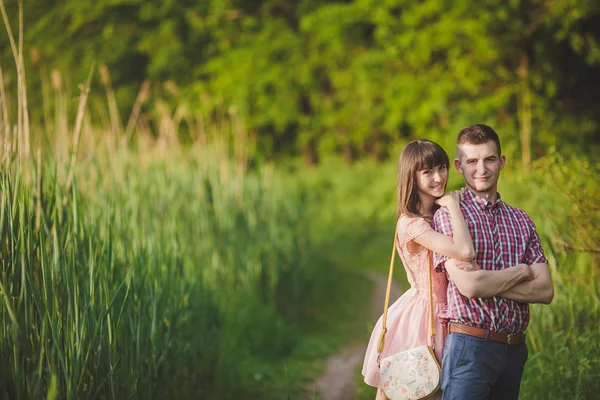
408, 318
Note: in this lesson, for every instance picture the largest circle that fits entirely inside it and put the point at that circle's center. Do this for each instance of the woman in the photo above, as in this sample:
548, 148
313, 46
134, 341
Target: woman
422, 178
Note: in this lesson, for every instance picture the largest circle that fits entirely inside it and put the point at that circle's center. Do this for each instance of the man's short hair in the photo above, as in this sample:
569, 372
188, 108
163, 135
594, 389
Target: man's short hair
478, 134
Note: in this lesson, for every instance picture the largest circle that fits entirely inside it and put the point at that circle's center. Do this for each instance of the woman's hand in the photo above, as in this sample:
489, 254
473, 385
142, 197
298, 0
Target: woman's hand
450, 199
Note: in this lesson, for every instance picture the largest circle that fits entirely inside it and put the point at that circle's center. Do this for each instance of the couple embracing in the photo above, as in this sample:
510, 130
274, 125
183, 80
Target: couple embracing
488, 266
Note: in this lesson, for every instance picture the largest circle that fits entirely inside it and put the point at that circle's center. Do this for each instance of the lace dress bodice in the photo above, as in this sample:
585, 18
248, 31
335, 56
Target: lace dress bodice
415, 259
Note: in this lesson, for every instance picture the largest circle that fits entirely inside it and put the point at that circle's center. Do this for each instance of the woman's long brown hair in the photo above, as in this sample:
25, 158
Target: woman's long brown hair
417, 155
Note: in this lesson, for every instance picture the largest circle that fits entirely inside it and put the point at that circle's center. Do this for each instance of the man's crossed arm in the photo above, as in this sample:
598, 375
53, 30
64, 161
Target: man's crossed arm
523, 283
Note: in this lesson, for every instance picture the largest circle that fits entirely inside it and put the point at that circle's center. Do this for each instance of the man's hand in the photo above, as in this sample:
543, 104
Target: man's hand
463, 265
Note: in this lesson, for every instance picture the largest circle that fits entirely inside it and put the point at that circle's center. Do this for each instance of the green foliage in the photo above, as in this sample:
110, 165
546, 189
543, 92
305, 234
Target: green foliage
349, 76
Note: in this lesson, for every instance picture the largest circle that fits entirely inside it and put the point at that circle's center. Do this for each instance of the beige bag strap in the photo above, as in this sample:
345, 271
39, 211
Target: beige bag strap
387, 296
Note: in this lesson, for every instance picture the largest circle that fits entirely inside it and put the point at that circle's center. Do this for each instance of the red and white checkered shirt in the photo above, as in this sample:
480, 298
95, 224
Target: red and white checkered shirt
503, 236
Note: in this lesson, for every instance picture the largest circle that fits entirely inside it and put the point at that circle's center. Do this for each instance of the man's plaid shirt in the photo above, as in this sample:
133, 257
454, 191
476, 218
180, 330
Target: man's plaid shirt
503, 236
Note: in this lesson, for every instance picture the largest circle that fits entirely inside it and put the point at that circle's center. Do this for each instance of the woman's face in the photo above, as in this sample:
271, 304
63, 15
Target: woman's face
432, 181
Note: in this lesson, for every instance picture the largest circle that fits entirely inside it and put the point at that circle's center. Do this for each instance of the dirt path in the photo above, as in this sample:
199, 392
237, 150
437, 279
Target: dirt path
338, 382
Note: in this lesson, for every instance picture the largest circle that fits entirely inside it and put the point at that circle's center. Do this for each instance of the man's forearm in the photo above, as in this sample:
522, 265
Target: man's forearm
483, 283
492, 283
538, 290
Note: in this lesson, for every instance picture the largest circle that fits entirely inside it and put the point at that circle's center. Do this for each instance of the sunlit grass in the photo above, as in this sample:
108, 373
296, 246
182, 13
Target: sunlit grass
135, 267
171, 274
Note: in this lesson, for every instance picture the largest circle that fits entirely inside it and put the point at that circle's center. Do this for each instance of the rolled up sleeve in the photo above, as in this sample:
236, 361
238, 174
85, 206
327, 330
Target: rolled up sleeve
534, 253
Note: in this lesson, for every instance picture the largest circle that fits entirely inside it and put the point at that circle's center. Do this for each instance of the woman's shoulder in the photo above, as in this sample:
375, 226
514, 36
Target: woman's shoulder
405, 221
411, 227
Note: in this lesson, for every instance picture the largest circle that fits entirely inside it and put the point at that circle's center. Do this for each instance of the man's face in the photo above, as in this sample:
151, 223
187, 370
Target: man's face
480, 165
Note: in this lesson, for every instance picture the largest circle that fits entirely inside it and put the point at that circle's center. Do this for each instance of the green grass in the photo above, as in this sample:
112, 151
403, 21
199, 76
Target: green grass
135, 268
168, 280
168, 275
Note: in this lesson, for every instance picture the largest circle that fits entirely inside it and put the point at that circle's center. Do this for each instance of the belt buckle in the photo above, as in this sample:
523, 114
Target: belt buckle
509, 338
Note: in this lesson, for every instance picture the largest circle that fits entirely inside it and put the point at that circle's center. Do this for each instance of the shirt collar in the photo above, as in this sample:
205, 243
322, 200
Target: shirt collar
479, 201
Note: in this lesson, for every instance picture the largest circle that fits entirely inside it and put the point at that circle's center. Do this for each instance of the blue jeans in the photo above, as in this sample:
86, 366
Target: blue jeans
479, 369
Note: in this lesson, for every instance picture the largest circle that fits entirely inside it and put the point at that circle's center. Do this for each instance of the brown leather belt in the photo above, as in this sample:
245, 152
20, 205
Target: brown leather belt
513, 338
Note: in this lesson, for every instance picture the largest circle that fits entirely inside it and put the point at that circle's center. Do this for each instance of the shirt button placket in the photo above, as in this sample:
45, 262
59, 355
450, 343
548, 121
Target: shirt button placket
496, 238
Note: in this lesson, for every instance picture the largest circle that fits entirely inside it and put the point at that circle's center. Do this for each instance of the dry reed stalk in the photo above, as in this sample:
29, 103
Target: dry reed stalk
89, 143
222, 155
240, 149
165, 123
14, 49
172, 88
200, 129
141, 98
180, 113
113, 109
172, 124
6, 153
46, 104
38, 209
23, 90
85, 90
13, 143
205, 102
3, 99
190, 121
142, 126
22, 135
61, 122
4, 125
169, 125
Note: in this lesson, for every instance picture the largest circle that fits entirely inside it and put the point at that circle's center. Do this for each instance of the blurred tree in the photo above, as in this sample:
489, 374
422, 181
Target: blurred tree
349, 76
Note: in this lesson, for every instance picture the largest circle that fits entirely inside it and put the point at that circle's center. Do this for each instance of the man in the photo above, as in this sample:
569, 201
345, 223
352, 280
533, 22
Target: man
485, 352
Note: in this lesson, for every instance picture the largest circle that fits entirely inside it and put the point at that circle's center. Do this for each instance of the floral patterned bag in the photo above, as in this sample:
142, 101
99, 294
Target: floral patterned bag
411, 374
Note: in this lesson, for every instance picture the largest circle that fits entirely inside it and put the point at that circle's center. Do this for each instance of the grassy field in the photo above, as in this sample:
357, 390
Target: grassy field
136, 266
155, 270
168, 274
159, 273
181, 273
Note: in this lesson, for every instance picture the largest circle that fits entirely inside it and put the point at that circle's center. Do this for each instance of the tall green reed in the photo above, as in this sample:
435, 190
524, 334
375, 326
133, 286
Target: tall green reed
174, 278
133, 267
